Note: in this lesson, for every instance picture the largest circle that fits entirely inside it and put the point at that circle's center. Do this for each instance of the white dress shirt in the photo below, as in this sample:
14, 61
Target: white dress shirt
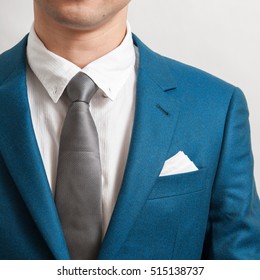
112, 108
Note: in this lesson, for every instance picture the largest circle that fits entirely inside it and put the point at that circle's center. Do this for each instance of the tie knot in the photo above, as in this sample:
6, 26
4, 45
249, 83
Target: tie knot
81, 88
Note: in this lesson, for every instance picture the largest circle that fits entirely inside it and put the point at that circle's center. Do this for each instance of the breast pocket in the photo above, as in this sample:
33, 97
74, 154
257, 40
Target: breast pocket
179, 184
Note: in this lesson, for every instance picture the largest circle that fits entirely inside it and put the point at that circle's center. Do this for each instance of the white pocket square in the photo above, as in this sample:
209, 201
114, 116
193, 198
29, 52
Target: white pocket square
179, 163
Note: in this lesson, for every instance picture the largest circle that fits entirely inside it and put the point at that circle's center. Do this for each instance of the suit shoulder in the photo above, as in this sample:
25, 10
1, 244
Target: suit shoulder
198, 86
12, 59
193, 82
197, 78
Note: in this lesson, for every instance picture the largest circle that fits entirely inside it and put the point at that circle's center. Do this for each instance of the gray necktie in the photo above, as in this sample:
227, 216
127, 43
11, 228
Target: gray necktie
78, 186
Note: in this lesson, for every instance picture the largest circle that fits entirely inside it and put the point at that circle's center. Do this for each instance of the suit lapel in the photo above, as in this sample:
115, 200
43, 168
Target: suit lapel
155, 120
20, 150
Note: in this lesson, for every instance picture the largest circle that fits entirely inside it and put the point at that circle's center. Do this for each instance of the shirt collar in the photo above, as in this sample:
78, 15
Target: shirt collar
109, 72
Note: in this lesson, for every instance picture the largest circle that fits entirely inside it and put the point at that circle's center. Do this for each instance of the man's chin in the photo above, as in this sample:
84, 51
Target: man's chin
77, 24
80, 21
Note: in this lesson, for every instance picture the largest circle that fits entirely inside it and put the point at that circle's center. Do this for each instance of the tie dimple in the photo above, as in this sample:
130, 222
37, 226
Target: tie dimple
81, 88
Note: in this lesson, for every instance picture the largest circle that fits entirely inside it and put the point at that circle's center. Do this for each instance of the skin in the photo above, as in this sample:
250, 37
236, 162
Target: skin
81, 31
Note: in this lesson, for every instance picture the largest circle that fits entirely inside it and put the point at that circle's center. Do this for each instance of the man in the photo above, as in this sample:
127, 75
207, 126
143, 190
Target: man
111, 151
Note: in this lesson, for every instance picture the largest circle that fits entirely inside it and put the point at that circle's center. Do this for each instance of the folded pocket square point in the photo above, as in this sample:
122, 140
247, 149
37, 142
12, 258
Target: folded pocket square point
177, 164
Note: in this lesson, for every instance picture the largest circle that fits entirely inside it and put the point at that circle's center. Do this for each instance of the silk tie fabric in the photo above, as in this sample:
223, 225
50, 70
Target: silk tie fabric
78, 188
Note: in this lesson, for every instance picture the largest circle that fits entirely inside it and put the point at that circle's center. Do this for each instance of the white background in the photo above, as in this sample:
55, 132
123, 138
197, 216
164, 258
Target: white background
219, 36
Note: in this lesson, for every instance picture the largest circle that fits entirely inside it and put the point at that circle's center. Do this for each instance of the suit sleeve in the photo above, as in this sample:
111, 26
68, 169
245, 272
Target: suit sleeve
233, 230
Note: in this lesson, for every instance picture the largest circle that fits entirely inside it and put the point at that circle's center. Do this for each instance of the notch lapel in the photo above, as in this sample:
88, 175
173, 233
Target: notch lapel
20, 150
156, 115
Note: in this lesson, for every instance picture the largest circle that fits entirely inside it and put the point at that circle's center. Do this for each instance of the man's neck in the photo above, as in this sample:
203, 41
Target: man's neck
78, 46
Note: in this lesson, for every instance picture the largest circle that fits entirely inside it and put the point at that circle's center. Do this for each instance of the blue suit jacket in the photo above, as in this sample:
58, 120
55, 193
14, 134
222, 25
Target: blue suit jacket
213, 213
